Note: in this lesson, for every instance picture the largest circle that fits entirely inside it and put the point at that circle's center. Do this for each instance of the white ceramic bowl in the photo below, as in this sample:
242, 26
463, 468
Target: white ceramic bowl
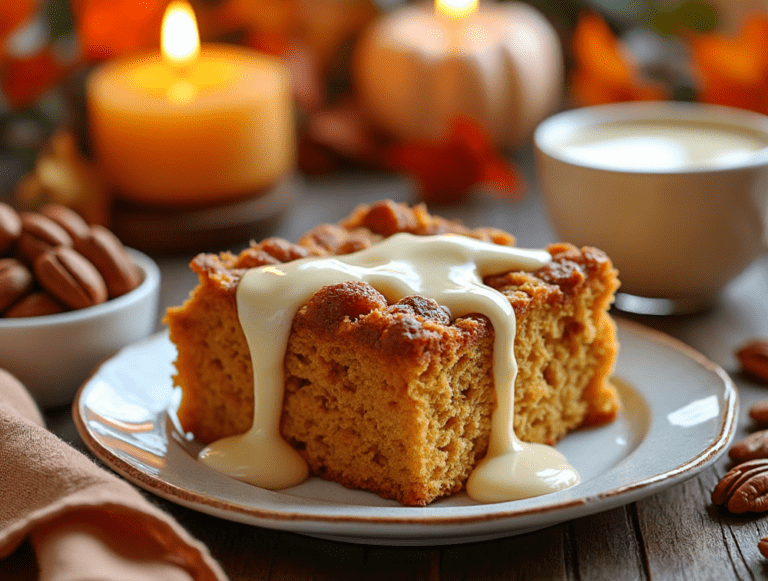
53, 355
675, 193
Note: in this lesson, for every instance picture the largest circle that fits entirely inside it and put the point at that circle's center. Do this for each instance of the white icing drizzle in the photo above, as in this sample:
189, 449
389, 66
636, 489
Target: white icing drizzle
446, 268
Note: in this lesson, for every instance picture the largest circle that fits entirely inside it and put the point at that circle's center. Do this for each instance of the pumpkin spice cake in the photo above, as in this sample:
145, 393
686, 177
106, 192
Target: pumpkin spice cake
397, 397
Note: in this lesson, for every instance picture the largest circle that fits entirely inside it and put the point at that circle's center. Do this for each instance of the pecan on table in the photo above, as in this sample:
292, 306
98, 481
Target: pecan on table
744, 488
754, 446
762, 546
759, 412
754, 359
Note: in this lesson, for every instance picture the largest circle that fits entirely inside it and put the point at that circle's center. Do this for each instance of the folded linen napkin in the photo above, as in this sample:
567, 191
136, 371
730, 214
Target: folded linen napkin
83, 522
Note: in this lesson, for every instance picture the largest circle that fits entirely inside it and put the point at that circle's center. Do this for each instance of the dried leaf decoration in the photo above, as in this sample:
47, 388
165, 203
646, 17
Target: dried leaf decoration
24, 79
30, 64
734, 70
446, 170
64, 176
603, 70
109, 28
13, 14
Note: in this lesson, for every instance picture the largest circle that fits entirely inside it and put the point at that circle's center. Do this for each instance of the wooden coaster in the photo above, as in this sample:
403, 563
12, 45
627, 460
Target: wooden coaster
211, 229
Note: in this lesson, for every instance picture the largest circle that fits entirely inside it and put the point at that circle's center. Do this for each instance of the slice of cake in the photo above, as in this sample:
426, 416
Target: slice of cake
397, 397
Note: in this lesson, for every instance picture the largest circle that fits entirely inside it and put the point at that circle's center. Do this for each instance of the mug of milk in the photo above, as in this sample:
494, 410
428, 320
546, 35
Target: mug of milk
675, 193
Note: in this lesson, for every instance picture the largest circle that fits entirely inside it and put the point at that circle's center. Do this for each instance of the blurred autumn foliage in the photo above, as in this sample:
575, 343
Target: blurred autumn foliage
315, 37
725, 69
45, 42
31, 33
603, 71
29, 63
116, 27
733, 70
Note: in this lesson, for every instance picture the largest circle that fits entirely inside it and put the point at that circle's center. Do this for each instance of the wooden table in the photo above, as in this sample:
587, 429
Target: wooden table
676, 534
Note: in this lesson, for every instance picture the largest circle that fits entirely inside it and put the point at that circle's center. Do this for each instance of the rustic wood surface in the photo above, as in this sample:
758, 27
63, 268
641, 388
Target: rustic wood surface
676, 534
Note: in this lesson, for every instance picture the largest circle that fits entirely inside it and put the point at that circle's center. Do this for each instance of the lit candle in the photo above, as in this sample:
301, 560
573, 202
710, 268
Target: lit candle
192, 124
456, 9
419, 68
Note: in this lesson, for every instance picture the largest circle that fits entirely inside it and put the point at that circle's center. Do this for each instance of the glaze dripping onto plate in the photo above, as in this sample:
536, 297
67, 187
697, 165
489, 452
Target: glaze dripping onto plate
125, 415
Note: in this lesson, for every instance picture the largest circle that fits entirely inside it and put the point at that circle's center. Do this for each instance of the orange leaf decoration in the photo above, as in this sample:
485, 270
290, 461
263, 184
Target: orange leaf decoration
598, 51
734, 70
334, 135
446, 170
108, 28
603, 72
272, 43
14, 13
24, 79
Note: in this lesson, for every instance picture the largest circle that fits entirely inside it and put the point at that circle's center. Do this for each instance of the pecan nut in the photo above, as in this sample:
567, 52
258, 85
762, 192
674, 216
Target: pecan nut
744, 488
752, 447
754, 359
69, 277
759, 412
762, 546
16, 280
110, 257
39, 233
80, 265
10, 226
67, 218
34, 305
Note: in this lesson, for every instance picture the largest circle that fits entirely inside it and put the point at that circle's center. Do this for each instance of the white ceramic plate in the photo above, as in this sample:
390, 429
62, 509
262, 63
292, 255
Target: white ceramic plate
678, 416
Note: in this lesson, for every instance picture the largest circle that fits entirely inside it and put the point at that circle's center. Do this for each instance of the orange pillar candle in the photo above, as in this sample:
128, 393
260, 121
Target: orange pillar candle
193, 125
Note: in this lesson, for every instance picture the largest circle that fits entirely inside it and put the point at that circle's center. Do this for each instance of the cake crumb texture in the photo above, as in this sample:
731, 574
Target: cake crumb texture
397, 398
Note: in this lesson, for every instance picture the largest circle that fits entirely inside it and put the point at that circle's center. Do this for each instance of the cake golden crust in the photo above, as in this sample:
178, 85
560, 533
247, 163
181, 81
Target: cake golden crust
397, 398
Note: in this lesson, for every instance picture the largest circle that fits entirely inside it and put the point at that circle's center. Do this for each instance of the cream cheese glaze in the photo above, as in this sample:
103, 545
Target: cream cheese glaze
446, 268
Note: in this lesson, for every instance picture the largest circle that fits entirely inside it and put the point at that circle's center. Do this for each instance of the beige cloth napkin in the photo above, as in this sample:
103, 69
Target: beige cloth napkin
83, 522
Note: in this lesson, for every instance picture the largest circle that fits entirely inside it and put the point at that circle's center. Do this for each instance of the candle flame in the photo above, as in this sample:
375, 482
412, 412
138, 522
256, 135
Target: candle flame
456, 8
180, 39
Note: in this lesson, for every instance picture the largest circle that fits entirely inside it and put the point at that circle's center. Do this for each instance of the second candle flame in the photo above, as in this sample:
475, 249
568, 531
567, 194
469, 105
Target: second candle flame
457, 9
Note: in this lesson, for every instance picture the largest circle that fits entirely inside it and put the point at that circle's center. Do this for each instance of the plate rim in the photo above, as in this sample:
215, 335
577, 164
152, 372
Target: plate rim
567, 509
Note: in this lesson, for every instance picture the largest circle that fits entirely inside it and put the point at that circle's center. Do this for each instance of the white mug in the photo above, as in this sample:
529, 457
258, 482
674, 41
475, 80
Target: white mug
675, 193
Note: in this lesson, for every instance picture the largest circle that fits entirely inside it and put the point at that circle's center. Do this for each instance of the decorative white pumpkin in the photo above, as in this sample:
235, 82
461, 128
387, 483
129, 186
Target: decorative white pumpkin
416, 71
